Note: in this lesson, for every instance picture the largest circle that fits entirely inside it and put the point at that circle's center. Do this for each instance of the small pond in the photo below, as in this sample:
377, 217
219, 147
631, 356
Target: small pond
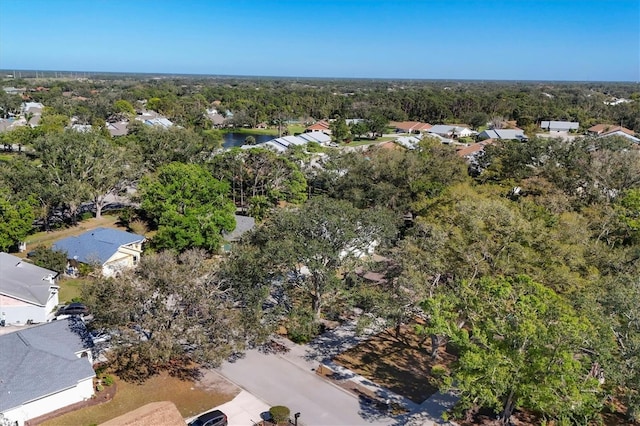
237, 139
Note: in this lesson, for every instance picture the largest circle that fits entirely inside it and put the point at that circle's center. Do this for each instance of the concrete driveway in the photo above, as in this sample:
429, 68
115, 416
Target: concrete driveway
278, 381
243, 410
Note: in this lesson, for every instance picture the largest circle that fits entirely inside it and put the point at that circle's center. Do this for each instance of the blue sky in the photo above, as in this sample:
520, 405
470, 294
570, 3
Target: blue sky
590, 40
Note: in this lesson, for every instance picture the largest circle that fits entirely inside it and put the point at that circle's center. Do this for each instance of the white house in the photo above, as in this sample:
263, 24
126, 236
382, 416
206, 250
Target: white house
44, 368
447, 131
559, 126
112, 249
622, 134
28, 293
283, 143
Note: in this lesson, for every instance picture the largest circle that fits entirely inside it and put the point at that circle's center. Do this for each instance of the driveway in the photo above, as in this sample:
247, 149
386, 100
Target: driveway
289, 379
243, 410
278, 381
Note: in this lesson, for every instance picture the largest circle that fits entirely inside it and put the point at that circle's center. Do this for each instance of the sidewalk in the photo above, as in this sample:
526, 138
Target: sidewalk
322, 350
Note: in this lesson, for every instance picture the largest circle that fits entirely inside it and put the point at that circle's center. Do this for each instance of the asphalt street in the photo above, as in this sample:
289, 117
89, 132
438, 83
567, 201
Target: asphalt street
278, 381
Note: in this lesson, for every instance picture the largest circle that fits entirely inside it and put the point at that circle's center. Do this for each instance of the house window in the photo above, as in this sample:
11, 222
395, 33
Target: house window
135, 260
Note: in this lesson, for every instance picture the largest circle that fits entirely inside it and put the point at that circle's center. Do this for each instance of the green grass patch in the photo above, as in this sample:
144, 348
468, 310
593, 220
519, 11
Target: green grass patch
249, 131
46, 239
272, 131
368, 141
296, 128
5, 158
191, 398
71, 288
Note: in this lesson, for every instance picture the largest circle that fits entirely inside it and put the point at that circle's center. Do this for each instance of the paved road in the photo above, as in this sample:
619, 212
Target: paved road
278, 381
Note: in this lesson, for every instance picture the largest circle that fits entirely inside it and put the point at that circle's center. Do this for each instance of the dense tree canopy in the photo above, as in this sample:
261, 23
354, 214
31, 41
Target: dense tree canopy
310, 245
521, 346
529, 269
188, 205
170, 308
16, 221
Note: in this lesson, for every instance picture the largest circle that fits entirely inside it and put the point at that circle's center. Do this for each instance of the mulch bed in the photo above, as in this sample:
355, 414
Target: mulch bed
101, 397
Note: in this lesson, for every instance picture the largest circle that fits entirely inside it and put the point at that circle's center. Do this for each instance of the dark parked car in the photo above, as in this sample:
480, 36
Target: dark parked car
212, 418
73, 309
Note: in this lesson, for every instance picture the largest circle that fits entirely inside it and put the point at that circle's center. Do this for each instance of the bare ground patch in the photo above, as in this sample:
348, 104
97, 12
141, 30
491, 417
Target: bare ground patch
399, 363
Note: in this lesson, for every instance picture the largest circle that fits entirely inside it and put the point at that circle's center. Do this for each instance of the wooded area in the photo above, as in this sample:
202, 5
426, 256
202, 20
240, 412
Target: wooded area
527, 263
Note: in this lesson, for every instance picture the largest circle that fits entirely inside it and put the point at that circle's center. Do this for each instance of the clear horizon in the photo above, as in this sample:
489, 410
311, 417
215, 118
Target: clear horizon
291, 77
528, 40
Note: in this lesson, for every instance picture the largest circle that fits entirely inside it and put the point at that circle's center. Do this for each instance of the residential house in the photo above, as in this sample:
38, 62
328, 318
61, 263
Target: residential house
560, 126
320, 126
451, 131
7, 124
617, 101
283, 143
119, 128
152, 118
411, 126
216, 119
604, 129
244, 224
44, 368
409, 142
111, 249
473, 151
14, 90
82, 128
352, 121
516, 134
28, 293
34, 112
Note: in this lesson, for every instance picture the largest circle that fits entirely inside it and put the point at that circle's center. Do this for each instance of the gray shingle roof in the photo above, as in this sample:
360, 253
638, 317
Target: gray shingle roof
243, 224
444, 129
97, 245
24, 281
42, 360
561, 125
504, 134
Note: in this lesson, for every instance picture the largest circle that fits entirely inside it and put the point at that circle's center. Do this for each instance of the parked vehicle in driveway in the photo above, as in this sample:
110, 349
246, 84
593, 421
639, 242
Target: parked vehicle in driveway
212, 418
73, 309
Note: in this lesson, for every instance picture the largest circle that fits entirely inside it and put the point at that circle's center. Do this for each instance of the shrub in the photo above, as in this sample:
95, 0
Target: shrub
302, 326
438, 370
138, 226
279, 413
86, 216
50, 259
107, 380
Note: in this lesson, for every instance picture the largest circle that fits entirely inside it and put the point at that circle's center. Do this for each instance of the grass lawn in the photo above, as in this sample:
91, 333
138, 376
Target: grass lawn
70, 288
273, 131
398, 364
6, 158
189, 397
295, 128
368, 141
47, 238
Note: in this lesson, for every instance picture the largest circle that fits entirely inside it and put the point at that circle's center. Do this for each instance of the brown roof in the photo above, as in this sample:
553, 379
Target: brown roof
155, 413
473, 148
603, 129
320, 125
411, 126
